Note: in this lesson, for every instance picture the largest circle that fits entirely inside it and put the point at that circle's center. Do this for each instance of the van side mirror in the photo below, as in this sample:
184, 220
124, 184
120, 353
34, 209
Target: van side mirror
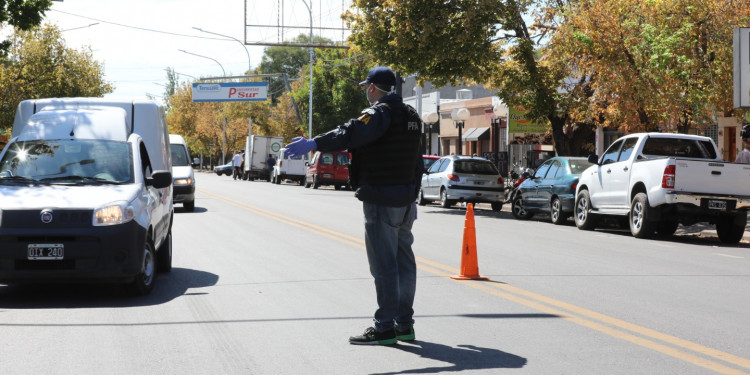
593, 159
159, 179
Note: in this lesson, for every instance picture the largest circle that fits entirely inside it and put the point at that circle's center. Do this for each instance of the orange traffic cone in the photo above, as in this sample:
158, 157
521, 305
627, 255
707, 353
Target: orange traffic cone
469, 267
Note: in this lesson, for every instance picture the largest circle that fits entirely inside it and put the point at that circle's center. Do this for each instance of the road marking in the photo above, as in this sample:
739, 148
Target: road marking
572, 313
729, 256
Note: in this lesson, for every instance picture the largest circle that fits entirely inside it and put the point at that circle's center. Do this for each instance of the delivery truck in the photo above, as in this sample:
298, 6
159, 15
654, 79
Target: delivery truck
257, 150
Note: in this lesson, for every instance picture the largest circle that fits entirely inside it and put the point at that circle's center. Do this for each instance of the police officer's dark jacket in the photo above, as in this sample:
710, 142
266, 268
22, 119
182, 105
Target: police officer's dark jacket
385, 145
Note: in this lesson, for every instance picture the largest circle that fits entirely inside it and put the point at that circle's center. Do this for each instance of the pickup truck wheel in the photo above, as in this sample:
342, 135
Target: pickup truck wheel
639, 217
583, 217
556, 215
420, 198
666, 228
144, 280
518, 209
730, 230
444, 201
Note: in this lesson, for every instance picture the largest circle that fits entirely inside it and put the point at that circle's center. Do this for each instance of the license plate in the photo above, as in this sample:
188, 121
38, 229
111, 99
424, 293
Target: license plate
477, 182
46, 251
327, 175
717, 205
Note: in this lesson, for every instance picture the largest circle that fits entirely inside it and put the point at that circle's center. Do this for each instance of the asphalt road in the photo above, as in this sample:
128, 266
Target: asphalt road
273, 279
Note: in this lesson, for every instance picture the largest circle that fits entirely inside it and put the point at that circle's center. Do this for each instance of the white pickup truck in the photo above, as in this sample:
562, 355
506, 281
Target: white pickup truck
659, 180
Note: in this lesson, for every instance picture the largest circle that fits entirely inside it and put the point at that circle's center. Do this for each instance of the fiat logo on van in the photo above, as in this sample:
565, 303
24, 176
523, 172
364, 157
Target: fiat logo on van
46, 216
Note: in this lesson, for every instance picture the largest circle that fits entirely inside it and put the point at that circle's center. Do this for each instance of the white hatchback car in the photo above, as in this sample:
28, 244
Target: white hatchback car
462, 179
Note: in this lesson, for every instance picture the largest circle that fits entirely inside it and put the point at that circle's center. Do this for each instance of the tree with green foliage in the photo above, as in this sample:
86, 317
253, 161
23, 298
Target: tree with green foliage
40, 65
336, 94
493, 42
287, 60
21, 14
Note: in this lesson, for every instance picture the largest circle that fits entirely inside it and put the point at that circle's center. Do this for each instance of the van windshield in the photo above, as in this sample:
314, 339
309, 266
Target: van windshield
179, 155
67, 162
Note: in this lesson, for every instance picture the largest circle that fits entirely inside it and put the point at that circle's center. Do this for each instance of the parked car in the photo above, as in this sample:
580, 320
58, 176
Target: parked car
328, 168
454, 179
183, 177
551, 190
287, 168
429, 160
224, 169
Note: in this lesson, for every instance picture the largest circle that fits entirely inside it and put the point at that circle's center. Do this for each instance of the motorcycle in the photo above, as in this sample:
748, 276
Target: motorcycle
517, 180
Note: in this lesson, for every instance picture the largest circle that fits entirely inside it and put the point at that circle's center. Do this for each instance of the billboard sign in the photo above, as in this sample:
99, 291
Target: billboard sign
230, 92
518, 123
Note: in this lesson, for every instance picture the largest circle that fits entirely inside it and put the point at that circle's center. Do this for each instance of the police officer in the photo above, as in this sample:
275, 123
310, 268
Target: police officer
385, 172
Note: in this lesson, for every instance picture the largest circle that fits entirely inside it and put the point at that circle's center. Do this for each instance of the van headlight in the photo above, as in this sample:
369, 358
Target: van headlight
113, 214
183, 181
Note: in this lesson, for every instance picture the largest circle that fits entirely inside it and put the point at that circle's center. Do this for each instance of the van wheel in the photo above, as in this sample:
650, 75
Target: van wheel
144, 280
444, 201
164, 255
189, 206
316, 182
641, 225
584, 219
420, 198
731, 230
497, 206
337, 187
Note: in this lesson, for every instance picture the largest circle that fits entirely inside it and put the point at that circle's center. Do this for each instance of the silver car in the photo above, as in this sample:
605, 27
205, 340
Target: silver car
462, 179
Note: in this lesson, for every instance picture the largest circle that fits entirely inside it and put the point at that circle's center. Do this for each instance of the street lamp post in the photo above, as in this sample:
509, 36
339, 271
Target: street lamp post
497, 122
430, 119
249, 70
224, 123
459, 116
312, 57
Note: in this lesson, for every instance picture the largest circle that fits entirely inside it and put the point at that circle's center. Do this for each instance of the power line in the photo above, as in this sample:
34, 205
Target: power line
139, 28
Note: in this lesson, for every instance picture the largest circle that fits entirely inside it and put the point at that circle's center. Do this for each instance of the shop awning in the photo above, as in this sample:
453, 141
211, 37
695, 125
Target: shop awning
476, 134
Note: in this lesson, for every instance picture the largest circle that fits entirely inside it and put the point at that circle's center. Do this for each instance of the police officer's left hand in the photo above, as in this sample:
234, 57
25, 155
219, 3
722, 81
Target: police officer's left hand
300, 146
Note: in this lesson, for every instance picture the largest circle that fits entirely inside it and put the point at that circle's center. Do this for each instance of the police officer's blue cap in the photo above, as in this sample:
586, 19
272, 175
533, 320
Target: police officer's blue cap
380, 75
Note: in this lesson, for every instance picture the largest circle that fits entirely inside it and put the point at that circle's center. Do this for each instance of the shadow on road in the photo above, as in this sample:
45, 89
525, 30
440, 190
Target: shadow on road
463, 357
104, 295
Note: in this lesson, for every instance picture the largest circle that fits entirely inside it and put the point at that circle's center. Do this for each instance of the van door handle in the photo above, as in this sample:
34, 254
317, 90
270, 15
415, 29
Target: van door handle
625, 169
609, 171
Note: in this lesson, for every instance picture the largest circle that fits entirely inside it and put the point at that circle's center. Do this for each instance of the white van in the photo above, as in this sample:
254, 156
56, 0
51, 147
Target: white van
183, 178
287, 168
85, 193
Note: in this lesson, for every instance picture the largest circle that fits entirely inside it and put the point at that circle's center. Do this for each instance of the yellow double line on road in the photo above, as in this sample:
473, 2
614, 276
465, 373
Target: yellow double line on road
670, 345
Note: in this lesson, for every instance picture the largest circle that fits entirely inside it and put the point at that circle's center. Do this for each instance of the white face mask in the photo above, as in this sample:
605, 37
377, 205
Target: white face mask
367, 93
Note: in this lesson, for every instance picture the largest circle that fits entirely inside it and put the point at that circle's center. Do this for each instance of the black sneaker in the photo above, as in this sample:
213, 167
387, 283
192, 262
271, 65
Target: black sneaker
373, 337
405, 335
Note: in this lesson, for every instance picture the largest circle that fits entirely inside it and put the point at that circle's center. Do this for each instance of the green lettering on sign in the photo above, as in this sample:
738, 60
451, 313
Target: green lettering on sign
517, 122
